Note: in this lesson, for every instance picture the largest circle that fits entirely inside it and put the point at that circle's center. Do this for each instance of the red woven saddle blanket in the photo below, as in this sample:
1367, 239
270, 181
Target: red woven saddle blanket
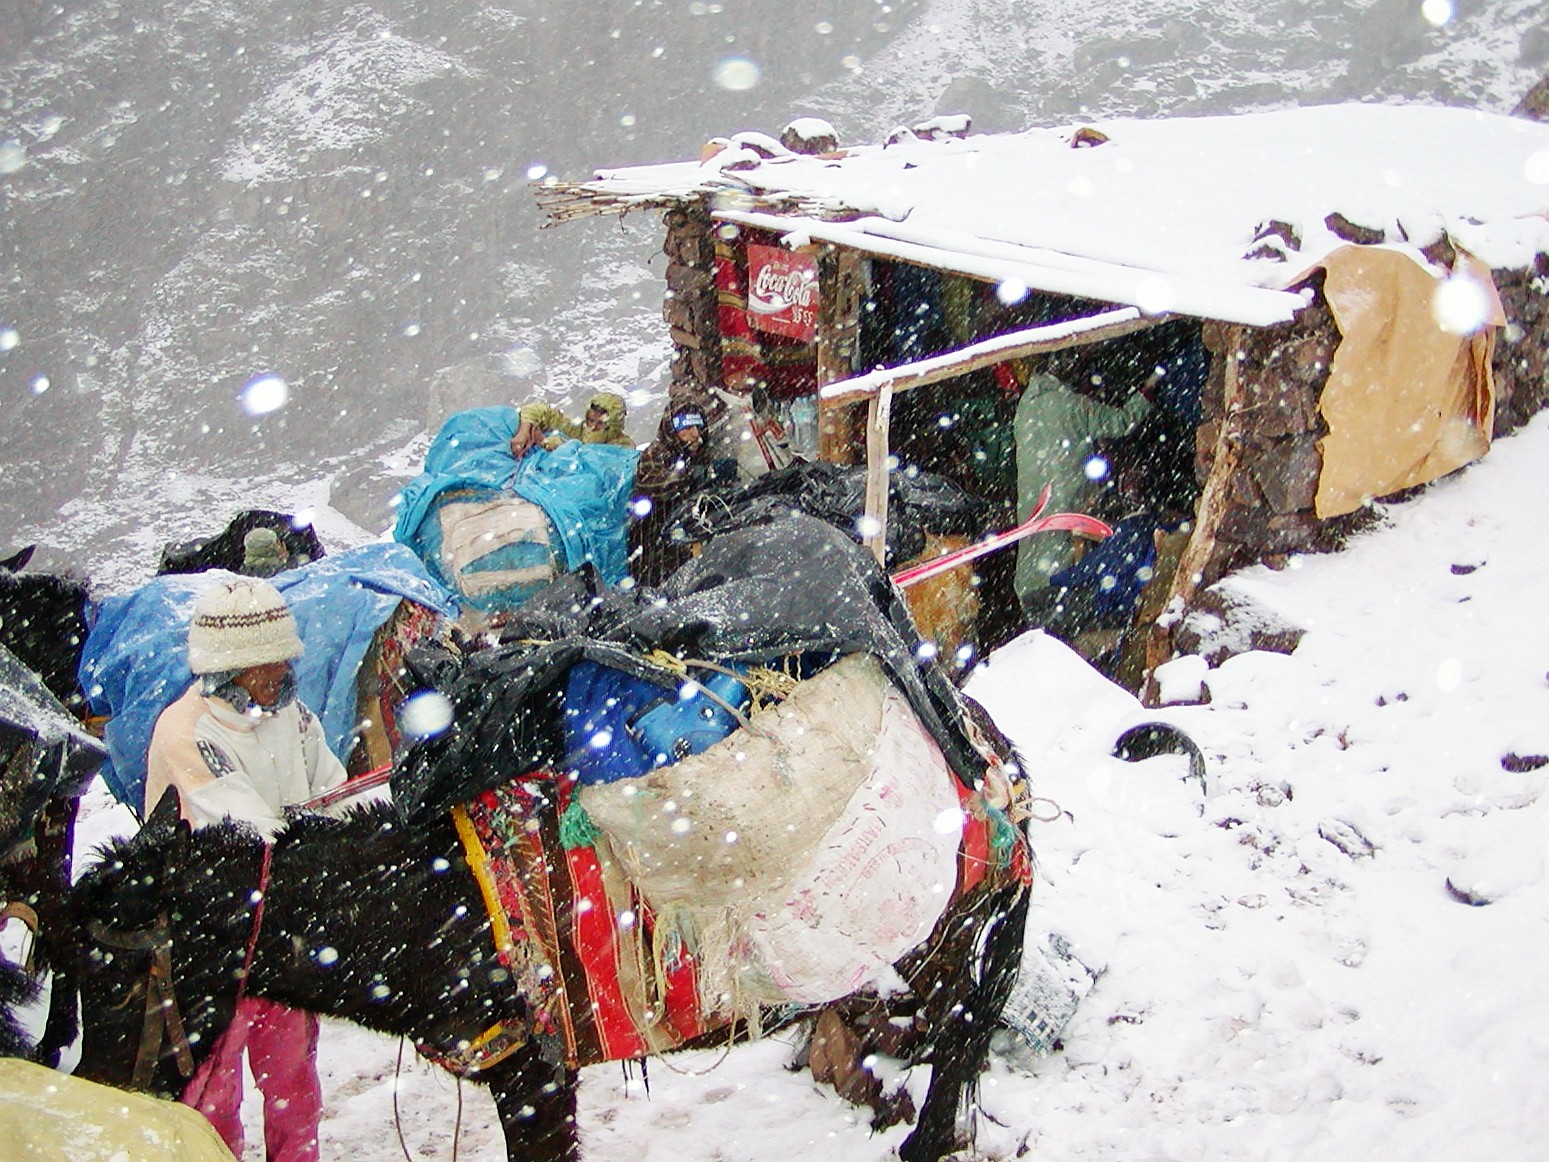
570, 928
606, 977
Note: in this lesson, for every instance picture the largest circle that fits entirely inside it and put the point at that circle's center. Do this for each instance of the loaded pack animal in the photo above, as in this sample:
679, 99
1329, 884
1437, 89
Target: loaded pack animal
376, 923
381, 917
44, 762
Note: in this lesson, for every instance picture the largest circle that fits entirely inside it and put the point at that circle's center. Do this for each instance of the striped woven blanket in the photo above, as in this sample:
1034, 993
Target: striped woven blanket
625, 948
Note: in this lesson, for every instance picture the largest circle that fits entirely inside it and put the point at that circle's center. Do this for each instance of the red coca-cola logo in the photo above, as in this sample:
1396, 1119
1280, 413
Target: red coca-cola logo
783, 292
779, 290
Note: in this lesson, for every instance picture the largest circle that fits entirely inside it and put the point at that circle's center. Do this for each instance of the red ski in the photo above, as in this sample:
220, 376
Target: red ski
346, 790
1037, 523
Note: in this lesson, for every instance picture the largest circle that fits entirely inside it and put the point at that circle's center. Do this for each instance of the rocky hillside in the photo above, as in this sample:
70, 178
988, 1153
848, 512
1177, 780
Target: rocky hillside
198, 193
1014, 63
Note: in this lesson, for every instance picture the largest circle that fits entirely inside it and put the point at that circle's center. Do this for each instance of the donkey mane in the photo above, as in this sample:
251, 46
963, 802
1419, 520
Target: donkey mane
318, 843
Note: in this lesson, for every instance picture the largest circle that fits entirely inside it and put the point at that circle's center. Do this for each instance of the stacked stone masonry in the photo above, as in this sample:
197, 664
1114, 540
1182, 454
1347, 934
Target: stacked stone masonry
690, 306
1282, 371
1521, 363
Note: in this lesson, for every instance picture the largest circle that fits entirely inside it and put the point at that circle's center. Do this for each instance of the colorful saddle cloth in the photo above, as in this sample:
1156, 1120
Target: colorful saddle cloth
787, 866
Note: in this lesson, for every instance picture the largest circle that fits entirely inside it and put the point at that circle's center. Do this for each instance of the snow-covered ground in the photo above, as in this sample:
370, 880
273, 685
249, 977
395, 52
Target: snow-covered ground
1284, 966
1288, 974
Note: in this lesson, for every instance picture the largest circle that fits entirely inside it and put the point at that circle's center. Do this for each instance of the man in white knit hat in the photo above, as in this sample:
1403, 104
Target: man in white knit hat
239, 745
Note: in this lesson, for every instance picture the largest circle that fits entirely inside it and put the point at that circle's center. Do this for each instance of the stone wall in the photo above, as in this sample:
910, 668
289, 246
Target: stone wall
690, 305
1521, 362
1282, 370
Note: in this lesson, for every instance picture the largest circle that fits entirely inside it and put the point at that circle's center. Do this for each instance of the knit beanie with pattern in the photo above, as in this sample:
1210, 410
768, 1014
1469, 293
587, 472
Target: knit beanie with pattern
241, 622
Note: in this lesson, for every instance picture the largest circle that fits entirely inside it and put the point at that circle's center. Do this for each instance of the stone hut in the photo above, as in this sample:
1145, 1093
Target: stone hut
1355, 295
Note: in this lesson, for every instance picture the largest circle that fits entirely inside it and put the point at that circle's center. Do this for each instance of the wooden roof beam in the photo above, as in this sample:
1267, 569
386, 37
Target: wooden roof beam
988, 352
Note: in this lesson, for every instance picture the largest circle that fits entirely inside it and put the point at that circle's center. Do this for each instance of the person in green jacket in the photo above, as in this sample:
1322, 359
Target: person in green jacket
545, 424
1057, 430
263, 553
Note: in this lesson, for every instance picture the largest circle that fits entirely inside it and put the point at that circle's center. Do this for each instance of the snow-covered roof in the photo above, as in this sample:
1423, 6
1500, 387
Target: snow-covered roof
1161, 214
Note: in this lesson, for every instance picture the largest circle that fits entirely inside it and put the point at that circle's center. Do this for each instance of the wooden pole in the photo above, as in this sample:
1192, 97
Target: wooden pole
878, 416
841, 289
1194, 562
988, 352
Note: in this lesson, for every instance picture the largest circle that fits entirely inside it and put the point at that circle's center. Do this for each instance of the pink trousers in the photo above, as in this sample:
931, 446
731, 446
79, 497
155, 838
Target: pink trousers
281, 1046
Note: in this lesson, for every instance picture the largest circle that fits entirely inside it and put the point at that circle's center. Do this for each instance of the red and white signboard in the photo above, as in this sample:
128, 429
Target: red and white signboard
783, 292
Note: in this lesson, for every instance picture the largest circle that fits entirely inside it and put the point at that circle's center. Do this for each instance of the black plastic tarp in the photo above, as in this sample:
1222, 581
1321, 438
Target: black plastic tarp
918, 503
44, 752
225, 549
793, 586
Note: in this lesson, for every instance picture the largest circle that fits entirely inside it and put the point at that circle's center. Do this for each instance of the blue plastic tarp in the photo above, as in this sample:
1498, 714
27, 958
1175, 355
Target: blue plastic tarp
472, 450
584, 489
135, 662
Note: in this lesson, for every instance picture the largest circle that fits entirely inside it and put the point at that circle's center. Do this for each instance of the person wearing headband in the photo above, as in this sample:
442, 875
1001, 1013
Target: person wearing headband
675, 465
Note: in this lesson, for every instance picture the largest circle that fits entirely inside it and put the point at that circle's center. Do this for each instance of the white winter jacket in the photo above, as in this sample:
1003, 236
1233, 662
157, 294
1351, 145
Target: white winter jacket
225, 764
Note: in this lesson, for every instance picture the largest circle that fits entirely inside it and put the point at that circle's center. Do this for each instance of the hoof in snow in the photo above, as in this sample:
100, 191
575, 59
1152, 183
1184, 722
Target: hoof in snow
1157, 738
1520, 764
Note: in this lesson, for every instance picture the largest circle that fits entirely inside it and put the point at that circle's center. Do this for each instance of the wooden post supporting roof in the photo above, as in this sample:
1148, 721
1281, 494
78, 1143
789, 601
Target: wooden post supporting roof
879, 415
836, 397
842, 287
1190, 575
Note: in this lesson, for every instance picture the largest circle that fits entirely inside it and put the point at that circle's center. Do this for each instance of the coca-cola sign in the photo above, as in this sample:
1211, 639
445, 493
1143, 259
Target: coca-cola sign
783, 292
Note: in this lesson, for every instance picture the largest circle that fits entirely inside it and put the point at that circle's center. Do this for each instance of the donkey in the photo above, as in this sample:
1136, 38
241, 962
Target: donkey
370, 920
44, 619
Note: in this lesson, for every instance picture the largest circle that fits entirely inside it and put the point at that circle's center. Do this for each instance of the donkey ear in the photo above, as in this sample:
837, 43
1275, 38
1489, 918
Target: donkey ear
165, 823
16, 561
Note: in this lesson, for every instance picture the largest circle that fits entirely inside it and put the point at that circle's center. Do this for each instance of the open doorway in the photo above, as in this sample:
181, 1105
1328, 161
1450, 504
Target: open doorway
1140, 478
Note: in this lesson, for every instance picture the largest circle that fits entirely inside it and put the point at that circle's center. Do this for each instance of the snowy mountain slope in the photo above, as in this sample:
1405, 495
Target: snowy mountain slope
1014, 63
197, 193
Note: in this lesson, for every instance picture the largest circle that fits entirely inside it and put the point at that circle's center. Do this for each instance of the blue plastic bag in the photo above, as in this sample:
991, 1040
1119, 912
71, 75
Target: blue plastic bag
693, 722
620, 727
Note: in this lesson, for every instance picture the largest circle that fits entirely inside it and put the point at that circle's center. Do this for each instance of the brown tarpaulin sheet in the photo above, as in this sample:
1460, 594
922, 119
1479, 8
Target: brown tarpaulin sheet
1406, 401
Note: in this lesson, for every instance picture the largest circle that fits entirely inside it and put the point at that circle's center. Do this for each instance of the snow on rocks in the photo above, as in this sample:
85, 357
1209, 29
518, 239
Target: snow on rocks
1181, 680
809, 135
1233, 617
